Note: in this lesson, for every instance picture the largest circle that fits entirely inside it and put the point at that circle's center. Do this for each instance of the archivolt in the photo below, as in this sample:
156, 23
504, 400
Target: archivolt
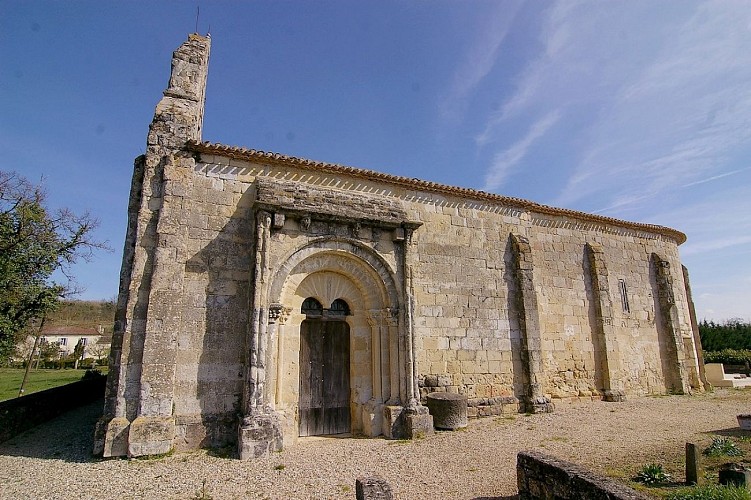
364, 267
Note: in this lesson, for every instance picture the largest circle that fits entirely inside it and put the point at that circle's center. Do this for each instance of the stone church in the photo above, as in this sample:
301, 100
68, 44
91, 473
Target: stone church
265, 297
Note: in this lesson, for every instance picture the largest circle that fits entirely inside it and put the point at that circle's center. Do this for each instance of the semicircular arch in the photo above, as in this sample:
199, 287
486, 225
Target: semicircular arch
361, 265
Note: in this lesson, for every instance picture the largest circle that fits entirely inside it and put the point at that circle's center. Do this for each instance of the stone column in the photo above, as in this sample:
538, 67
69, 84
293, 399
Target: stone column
609, 353
676, 378
376, 322
260, 428
534, 401
418, 421
392, 338
373, 410
278, 315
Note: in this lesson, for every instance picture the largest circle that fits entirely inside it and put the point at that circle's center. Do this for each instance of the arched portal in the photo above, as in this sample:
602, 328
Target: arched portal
357, 312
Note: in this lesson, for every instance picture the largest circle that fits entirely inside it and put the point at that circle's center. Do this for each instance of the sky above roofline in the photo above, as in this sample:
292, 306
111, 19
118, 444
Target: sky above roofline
635, 110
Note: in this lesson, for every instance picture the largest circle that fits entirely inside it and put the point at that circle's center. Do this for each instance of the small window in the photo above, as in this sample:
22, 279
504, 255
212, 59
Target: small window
84, 341
311, 307
624, 296
62, 341
339, 308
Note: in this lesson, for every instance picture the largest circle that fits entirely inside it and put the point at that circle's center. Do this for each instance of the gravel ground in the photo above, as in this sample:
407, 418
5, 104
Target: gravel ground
54, 461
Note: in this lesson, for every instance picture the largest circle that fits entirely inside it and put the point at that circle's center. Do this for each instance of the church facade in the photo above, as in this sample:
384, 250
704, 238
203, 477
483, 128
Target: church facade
266, 297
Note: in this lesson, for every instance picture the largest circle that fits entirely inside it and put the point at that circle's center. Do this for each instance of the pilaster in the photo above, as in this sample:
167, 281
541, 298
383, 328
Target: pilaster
609, 353
676, 378
534, 400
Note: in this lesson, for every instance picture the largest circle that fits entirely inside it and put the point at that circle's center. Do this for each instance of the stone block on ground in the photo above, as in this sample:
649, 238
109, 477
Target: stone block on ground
373, 488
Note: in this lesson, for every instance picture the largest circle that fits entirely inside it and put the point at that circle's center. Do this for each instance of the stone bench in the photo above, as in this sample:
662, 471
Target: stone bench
449, 410
717, 377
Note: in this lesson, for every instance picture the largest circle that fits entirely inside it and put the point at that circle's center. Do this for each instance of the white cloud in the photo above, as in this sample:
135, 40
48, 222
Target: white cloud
505, 161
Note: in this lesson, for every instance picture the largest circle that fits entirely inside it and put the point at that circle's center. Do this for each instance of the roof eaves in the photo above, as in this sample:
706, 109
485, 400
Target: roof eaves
413, 183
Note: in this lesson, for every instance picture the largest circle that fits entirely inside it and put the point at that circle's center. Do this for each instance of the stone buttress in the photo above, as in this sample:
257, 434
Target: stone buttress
138, 415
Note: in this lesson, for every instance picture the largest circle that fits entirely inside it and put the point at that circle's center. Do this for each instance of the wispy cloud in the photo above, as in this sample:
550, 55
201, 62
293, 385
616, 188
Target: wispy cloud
505, 161
715, 177
480, 59
679, 116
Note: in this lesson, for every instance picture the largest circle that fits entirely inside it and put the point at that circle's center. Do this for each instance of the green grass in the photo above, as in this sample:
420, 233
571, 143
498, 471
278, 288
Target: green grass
711, 492
39, 380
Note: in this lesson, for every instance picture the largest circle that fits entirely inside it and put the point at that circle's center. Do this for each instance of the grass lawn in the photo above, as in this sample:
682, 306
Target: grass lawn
737, 441
39, 380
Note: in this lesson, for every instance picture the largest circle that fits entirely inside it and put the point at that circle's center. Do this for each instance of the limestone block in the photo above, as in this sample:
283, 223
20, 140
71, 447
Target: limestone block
259, 435
115, 437
151, 436
393, 423
372, 418
418, 423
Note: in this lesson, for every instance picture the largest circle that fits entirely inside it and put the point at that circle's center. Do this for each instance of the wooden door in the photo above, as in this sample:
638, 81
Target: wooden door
324, 377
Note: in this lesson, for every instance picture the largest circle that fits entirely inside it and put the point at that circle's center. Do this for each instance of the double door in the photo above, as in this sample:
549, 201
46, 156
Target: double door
324, 377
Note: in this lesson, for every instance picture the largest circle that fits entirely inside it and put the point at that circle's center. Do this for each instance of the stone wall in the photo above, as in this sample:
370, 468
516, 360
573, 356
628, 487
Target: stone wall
540, 476
20, 414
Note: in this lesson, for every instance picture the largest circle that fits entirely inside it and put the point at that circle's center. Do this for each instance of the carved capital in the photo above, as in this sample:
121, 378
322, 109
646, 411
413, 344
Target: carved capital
263, 219
278, 313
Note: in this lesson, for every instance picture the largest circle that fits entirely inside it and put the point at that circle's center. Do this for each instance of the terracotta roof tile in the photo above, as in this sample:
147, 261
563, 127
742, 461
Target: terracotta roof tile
61, 331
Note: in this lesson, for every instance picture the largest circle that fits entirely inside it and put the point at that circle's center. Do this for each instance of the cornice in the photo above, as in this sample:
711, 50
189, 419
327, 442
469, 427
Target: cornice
254, 155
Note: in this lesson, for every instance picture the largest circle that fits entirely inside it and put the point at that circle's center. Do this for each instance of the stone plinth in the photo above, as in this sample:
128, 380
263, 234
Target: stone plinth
449, 410
259, 435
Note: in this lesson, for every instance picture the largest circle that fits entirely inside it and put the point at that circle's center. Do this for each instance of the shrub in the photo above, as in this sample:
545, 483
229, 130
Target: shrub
722, 446
652, 474
90, 374
728, 356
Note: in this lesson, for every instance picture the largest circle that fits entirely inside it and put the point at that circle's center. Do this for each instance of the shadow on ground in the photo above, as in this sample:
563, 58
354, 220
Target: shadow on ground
68, 437
512, 497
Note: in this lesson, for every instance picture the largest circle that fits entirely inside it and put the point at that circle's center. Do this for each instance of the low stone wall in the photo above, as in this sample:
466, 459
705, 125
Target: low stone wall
542, 476
21, 414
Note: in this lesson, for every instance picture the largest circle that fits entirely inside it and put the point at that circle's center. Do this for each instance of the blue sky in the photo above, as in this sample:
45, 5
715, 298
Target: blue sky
638, 110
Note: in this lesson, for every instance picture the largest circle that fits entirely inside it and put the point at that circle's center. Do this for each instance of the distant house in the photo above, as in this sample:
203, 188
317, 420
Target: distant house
67, 337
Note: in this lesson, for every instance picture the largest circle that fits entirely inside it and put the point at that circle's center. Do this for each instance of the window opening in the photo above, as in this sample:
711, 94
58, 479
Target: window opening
624, 295
339, 308
311, 307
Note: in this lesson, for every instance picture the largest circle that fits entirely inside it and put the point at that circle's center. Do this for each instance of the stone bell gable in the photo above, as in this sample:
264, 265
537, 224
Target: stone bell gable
264, 298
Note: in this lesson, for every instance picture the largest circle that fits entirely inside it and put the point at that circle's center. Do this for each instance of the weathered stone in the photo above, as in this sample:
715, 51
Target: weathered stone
539, 476
449, 410
259, 436
693, 464
373, 488
735, 475
150, 435
418, 422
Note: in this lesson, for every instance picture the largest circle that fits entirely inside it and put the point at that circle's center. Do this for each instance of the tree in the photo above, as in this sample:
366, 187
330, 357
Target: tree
100, 351
34, 243
78, 352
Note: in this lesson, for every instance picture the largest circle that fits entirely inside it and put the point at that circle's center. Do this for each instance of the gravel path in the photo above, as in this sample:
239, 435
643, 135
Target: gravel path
53, 461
